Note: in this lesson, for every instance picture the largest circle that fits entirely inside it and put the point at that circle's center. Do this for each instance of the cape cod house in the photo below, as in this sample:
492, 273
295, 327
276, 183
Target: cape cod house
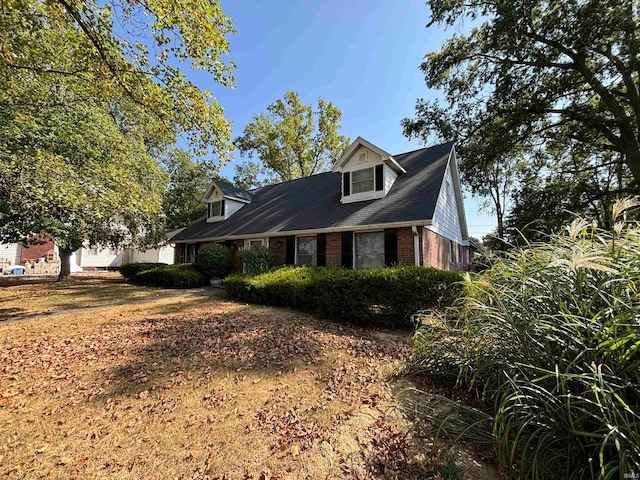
372, 209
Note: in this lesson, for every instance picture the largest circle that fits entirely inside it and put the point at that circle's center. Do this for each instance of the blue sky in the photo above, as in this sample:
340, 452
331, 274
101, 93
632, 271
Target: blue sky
363, 55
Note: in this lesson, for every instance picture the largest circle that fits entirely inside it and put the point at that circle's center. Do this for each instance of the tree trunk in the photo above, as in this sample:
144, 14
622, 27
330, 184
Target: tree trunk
65, 265
632, 159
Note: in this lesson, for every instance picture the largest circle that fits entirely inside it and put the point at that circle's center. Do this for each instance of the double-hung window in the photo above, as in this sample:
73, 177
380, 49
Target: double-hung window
215, 209
307, 251
369, 250
362, 181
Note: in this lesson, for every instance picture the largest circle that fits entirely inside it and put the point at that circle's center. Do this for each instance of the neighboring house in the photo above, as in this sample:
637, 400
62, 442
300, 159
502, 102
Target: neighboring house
85, 258
111, 258
373, 209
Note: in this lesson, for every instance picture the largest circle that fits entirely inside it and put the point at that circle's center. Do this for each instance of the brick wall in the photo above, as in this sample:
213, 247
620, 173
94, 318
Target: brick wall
278, 245
334, 249
33, 252
405, 246
435, 252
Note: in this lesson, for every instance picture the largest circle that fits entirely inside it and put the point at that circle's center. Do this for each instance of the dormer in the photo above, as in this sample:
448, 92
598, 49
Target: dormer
224, 200
367, 172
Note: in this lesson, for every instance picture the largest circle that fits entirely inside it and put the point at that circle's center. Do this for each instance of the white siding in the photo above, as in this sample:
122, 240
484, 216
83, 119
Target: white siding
231, 207
148, 256
100, 258
10, 251
167, 255
389, 177
446, 221
354, 163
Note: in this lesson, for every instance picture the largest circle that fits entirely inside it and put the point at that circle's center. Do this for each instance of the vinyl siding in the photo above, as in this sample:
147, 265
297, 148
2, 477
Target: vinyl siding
352, 165
11, 251
389, 177
446, 221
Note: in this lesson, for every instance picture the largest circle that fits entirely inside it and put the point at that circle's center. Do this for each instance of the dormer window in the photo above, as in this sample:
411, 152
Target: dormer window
362, 180
368, 172
216, 209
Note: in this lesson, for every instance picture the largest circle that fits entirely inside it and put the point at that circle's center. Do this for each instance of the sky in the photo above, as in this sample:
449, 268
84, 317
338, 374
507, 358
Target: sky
363, 55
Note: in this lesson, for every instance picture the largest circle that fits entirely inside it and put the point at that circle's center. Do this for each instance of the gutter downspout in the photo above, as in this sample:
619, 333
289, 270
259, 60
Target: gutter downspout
416, 246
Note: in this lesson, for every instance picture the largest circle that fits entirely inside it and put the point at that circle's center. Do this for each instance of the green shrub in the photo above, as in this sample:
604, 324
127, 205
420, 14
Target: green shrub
257, 259
131, 270
386, 296
551, 336
172, 276
214, 260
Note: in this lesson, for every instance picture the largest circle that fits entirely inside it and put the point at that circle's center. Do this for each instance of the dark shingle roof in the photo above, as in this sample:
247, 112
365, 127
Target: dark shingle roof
314, 202
234, 192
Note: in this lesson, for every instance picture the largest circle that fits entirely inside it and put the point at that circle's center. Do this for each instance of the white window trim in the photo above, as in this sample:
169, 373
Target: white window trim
295, 260
353, 243
351, 192
210, 209
247, 242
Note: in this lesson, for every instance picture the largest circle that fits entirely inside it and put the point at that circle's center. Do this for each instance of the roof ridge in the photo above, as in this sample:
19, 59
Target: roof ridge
423, 148
287, 181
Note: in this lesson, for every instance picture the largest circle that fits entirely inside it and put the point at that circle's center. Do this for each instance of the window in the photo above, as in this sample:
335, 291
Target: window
254, 243
215, 209
369, 250
188, 253
452, 251
306, 253
362, 181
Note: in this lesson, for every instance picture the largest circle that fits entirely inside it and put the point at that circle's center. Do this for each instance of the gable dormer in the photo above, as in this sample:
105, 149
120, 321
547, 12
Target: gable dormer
224, 200
367, 172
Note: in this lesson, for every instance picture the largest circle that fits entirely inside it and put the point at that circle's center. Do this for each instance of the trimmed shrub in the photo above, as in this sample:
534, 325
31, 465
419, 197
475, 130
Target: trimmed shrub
131, 270
386, 296
257, 259
172, 276
214, 260
551, 336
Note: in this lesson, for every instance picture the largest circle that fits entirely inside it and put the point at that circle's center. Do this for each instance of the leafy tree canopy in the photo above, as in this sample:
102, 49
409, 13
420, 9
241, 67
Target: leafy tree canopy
528, 72
291, 141
51, 42
188, 180
83, 112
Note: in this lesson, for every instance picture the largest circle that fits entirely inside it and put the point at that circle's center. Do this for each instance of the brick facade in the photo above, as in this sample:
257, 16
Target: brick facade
436, 252
33, 252
405, 246
278, 245
334, 249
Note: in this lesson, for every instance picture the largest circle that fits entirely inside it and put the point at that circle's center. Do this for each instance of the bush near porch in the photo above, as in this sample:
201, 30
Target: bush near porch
385, 296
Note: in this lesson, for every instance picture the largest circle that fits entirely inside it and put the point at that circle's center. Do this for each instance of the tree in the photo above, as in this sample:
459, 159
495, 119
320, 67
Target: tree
188, 180
83, 112
577, 182
531, 71
291, 141
138, 60
73, 174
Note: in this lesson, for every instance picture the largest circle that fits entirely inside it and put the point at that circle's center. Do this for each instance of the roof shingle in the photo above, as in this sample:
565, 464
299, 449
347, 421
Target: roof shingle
314, 202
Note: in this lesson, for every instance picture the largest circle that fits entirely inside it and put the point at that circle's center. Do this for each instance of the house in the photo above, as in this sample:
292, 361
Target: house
84, 259
91, 259
373, 209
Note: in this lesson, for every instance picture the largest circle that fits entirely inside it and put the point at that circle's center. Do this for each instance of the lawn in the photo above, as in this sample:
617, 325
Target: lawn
197, 387
83, 290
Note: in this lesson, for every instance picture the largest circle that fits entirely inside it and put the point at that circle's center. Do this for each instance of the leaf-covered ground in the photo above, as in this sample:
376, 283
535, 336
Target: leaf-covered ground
194, 387
21, 297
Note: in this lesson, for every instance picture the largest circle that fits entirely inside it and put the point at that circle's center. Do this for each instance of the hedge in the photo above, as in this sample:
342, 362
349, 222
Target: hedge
386, 296
168, 276
131, 270
214, 260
